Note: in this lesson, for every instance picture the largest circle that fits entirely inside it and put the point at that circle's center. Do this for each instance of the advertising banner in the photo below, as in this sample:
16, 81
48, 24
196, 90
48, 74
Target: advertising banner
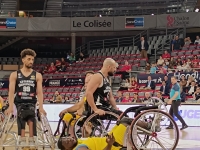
190, 113
63, 82
134, 22
143, 78
92, 24
8, 23
179, 75
178, 20
4, 84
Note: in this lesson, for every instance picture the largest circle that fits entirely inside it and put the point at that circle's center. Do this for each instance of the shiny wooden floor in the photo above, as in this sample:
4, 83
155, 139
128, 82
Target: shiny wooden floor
189, 138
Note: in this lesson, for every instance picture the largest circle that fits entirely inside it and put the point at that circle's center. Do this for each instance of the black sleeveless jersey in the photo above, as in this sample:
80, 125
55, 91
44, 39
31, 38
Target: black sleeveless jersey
102, 94
25, 89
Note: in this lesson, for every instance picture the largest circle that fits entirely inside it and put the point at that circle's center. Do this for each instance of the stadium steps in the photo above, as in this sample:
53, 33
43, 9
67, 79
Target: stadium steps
8, 6
54, 8
10, 42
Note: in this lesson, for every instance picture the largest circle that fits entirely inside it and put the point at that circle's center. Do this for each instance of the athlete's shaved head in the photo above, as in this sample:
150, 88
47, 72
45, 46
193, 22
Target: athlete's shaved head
110, 65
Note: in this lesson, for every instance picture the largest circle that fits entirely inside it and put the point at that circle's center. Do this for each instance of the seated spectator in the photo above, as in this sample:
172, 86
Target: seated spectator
72, 58
167, 81
150, 84
52, 68
67, 99
126, 99
179, 61
125, 86
45, 70
164, 89
189, 62
166, 62
187, 41
125, 70
166, 55
192, 88
195, 59
189, 81
163, 69
183, 83
153, 68
183, 95
197, 41
147, 68
133, 84
58, 65
147, 96
57, 98
186, 67
172, 63
63, 65
159, 95
160, 61
196, 94
179, 67
81, 57
136, 98
119, 97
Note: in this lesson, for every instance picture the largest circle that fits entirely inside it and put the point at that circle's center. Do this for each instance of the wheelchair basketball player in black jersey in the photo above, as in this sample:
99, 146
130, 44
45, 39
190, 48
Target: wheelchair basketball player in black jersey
99, 93
24, 86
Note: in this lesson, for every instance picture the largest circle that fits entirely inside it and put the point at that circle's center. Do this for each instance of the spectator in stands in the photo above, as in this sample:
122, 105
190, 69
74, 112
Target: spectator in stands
160, 61
179, 67
166, 55
58, 65
119, 97
192, 88
136, 98
197, 41
164, 89
163, 69
126, 99
189, 81
143, 47
147, 96
63, 65
183, 83
187, 41
57, 98
167, 81
150, 84
196, 94
81, 57
159, 95
183, 94
45, 70
195, 62
153, 68
148, 67
52, 68
172, 63
176, 44
167, 62
133, 84
67, 99
125, 86
186, 67
125, 70
179, 61
72, 58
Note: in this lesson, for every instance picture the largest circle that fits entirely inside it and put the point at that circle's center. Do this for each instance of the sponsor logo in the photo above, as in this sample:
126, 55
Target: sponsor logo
134, 22
54, 83
92, 24
1, 84
177, 21
32, 77
190, 114
9, 23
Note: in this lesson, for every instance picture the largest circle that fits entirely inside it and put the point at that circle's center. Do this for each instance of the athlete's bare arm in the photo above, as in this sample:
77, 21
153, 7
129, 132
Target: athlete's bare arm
94, 83
1, 101
39, 90
112, 100
12, 83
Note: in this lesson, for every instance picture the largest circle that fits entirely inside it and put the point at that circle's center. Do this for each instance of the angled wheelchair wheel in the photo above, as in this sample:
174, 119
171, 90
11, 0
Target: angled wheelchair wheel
78, 126
155, 101
148, 131
101, 125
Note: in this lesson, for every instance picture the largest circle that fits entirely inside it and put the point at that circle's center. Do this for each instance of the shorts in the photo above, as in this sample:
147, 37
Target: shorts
67, 117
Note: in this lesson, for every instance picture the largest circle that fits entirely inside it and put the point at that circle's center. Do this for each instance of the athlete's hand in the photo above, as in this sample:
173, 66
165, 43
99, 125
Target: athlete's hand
62, 113
100, 112
110, 139
42, 111
9, 110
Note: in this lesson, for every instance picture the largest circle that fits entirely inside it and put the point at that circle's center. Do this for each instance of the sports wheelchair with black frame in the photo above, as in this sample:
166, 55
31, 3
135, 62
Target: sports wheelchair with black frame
136, 137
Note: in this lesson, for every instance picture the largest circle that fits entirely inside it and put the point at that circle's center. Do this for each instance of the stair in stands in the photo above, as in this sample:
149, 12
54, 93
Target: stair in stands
8, 6
10, 42
54, 8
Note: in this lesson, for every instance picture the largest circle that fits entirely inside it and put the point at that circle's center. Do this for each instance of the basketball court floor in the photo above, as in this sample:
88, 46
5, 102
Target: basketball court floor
189, 138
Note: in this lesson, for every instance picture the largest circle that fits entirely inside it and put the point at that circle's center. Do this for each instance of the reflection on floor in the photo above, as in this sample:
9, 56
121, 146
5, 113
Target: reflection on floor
189, 138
